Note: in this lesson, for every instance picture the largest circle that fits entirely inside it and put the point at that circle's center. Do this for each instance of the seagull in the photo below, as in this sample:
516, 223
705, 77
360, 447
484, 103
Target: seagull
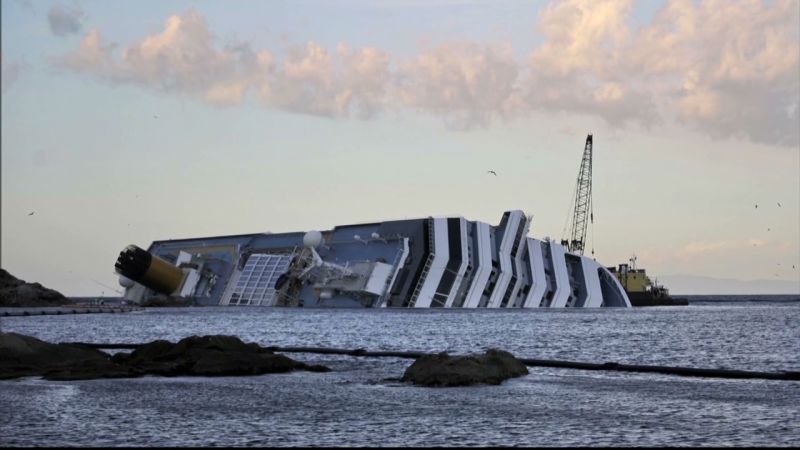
31, 213
779, 204
492, 172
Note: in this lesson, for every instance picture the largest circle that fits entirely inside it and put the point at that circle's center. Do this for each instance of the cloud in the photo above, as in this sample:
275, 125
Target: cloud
26, 5
694, 249
579, 67
92, 55
10, 72
185, 59
731, 68
64, 21
465, 83
701, 248
349, 83
728, 69
182, 59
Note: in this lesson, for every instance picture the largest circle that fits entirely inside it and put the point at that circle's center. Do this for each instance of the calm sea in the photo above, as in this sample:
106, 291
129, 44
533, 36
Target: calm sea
359, 405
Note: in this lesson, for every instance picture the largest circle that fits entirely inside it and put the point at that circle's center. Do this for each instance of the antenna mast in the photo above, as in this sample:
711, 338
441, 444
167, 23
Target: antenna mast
583, 201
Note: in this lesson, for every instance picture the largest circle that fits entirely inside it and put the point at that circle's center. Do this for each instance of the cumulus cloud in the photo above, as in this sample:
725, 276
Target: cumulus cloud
579, 67
64, 21
26, 5
93, 55
9, 72
185, 59
464, 82
181, 59
734, 66
725, 68
313, 81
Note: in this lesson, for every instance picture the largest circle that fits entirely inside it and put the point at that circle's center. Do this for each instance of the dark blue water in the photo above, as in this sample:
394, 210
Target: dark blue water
356, 404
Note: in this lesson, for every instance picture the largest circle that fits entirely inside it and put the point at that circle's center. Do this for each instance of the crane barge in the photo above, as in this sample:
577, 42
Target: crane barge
640, 289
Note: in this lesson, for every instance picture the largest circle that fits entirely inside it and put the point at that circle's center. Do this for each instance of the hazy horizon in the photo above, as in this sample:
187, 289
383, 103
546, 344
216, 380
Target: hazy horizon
130, 122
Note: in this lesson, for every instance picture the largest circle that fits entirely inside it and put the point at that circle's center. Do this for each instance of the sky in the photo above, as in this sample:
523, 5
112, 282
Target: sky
129, 122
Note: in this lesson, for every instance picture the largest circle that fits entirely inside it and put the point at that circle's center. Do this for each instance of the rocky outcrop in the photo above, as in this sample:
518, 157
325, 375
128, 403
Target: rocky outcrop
22, 356
193, 356
209, 356
16, 292
161, 300
442, 370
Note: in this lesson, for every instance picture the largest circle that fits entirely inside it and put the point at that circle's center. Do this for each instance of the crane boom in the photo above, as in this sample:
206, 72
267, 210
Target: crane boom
583, 201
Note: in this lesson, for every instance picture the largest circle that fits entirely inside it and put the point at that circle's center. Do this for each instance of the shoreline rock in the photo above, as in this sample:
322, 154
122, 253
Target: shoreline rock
168, 301
15, 293
22, 356
442, 370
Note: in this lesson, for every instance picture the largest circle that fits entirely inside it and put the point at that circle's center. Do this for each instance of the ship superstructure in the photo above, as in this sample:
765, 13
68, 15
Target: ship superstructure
429, 262
640, 289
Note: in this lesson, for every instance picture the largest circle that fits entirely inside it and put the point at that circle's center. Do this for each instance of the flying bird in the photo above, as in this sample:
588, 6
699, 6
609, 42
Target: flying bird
492, 172
155, 116
31, 213
756, 205
779, 204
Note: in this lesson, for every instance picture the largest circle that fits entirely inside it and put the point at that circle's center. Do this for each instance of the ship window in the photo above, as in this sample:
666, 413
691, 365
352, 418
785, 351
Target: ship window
257, 281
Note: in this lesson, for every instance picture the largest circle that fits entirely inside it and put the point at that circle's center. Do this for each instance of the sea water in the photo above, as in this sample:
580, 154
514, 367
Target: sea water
360, 403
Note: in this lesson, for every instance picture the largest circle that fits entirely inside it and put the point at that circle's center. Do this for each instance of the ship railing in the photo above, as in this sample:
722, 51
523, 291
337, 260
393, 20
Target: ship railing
428, 264
421, 281
389, 280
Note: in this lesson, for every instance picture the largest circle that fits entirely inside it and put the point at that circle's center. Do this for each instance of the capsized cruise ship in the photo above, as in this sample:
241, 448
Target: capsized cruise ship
418, 263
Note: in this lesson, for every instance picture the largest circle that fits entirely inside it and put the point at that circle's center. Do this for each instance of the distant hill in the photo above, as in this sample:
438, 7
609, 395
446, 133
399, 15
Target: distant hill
681, 284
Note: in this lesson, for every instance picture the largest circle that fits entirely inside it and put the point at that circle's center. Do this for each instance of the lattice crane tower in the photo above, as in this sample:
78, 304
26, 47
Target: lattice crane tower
583, 203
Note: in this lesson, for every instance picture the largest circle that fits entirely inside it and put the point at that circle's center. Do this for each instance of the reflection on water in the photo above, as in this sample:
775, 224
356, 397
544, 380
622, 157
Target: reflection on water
356, 405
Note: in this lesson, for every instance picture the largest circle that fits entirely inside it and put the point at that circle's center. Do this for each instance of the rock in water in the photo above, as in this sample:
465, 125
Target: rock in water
209, 356
22, 356
193, 356
442, 370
